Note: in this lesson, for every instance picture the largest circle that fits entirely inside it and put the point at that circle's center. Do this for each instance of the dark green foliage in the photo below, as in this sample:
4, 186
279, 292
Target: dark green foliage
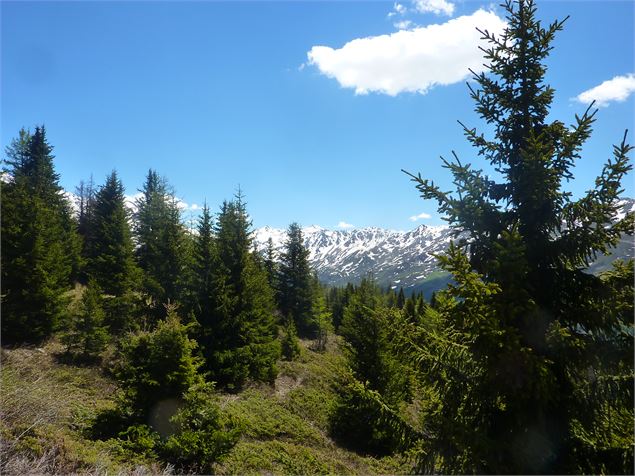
240, 338
322, 317
109, 252
84, 201
527, 356
401, 299
362, 422
139, 440
337, 300
87, 336
157, 365
366, 329
414, 307
271, 267
294, 281
160, 242
124, 313
40, 245
207, 284
290, 345
204, 435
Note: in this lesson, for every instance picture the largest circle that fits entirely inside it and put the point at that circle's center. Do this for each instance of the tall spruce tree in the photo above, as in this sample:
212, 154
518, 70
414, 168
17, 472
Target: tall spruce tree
110, 256
242, 331
40, 245
524, 350
208, 284
378, 382
160, 239
271, 267
84, 201
294, 281
365, 336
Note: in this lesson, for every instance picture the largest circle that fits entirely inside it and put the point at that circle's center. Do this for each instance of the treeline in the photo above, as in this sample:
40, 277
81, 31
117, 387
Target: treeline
181, 309
140, 262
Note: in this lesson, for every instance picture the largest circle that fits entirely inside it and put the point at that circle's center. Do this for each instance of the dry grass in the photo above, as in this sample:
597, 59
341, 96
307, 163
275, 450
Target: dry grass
44, 408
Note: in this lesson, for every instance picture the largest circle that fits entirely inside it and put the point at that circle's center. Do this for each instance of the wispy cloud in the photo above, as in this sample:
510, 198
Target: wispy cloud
437, 7
397, 9
403, 24
184, 206
409, 60
345, 225
617, 89
420, 216
131, 203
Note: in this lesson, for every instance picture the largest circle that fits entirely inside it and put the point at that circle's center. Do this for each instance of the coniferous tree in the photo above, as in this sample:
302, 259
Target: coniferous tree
289, 346
357, 420
84, 200
242, 332
523, 347
271, 265
321, 315
40, 245
156, 365
337, 301
208, 282
87, 336
401, 298
110, 256
160, 240
295, 287
365, 335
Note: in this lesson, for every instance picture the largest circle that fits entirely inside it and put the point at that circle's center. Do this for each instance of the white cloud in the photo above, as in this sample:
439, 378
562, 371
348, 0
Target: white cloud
403, 24
409, 60
184, 206
131, 203
397, 9
420, 216
617, 89
434, 6
345, 225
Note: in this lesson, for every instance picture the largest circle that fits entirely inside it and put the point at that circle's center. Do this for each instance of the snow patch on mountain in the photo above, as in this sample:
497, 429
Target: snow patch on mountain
396, 258
341, 256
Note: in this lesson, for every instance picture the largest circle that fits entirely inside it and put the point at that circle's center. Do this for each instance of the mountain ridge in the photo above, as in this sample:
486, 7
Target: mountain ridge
395, 258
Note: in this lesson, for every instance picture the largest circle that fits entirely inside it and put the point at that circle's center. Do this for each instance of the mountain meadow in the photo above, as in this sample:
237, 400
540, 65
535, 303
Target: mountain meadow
134, 344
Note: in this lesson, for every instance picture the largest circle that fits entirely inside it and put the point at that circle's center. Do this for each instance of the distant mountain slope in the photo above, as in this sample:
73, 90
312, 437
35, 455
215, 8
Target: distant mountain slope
339, 257
397, 258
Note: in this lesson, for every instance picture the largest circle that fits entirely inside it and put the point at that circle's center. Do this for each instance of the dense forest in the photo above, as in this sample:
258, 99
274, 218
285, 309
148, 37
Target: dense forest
523, 364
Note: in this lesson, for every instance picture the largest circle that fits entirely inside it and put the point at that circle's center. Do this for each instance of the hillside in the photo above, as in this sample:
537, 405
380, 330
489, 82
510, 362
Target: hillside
47, 407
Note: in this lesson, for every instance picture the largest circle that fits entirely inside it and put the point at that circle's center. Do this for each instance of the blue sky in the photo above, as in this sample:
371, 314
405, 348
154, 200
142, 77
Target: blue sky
217, 94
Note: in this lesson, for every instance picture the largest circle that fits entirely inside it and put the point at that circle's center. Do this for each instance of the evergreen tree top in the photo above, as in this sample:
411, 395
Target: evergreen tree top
534, 156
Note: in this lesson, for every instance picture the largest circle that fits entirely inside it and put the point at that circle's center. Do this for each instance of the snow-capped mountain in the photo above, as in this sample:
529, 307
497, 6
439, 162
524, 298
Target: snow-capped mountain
398, 258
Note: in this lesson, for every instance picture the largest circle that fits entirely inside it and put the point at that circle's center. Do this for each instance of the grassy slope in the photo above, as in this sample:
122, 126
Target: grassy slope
46, 404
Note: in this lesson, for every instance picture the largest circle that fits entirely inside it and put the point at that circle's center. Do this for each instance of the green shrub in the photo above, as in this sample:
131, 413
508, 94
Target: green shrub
362, 422
140, 440
122, 313
204, 434
157, 365
86, 336
290, 345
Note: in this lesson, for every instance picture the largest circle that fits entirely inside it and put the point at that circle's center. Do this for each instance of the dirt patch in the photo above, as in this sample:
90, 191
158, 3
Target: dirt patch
284, 384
